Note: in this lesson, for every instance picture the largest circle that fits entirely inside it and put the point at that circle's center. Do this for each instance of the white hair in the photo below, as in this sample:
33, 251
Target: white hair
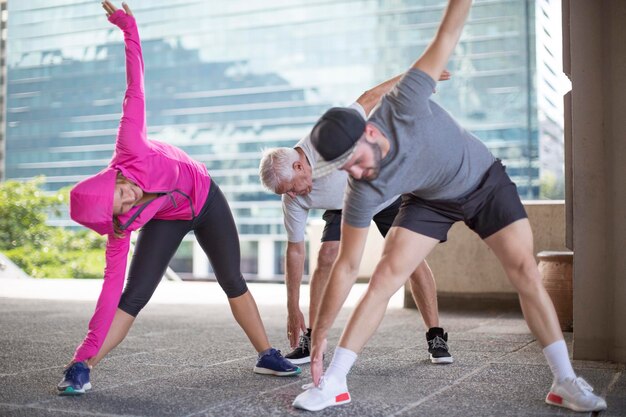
277, 166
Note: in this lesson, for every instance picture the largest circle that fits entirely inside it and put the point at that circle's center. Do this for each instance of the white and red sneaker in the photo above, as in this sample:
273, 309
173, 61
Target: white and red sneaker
330, 393
575, 394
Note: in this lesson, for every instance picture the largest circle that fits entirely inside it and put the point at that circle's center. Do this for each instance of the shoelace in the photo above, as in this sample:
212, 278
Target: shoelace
438, 342
312, 384
305, 342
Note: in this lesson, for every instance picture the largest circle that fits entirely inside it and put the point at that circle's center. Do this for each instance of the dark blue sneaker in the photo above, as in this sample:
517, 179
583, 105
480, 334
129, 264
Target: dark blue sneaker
75, 380
273, 363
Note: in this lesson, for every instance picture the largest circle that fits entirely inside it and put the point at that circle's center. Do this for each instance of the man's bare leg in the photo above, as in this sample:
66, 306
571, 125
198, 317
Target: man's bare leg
404, 251
424, 292
513, 246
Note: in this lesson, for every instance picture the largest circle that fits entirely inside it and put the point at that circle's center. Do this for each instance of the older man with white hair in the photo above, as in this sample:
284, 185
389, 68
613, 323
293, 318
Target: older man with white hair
289, 172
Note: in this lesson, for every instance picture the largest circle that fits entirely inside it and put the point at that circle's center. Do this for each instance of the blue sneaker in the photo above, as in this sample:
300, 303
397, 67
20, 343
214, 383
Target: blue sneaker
75, 380
273, 363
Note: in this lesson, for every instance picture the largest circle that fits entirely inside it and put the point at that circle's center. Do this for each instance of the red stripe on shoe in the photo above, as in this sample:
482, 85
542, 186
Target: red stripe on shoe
555, 398
342, 397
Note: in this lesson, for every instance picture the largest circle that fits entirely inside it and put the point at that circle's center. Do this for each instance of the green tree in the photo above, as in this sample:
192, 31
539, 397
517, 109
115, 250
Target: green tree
550, 188
41, 250
23, 208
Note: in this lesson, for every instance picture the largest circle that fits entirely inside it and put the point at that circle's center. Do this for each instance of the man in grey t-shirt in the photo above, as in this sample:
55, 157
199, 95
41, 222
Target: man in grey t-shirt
411, 146
289, 172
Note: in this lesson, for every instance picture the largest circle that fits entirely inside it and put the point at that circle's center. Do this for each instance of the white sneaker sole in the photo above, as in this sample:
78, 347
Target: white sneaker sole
299, 361
441, 361
557, 400
345, 399
265, 371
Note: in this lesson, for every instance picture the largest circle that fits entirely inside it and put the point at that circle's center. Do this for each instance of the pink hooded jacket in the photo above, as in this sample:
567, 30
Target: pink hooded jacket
155, 167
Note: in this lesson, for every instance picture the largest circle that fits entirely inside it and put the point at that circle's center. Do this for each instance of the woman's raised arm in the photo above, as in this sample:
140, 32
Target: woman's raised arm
131, 136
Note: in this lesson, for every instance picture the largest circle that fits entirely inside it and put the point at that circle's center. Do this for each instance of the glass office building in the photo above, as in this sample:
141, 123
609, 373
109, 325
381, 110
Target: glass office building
226, 78
3, 43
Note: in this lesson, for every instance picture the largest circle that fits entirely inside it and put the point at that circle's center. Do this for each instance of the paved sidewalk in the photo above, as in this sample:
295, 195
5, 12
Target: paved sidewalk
186, 357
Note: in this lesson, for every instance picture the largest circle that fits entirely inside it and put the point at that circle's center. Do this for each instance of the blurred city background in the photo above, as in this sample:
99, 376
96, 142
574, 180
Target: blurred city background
227, 78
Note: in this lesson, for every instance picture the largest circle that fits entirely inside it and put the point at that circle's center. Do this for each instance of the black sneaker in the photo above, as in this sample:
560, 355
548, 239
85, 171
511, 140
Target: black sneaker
438, 346
302, 353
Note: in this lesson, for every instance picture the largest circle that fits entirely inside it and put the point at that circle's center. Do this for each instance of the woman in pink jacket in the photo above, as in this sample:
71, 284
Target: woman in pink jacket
159, 189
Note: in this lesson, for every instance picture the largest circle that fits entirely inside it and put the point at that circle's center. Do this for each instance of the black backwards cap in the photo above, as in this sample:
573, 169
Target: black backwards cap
334, 137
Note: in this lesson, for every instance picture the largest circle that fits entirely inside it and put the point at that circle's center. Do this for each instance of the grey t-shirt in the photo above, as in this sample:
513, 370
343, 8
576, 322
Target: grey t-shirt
430, 155
327, 192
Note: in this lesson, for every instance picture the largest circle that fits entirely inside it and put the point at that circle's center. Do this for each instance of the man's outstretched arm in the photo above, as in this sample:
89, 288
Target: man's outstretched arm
294, 268
435, 57
369, 99
342, 277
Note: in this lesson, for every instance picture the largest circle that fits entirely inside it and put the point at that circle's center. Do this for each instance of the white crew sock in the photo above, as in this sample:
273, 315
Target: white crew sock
558, 359
342, 362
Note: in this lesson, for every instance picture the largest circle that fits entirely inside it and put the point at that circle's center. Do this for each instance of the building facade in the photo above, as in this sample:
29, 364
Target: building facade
226, 78
3, 67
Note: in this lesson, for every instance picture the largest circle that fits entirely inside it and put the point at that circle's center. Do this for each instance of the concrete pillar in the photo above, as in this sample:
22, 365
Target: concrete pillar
266, 258
595, 61
200, 261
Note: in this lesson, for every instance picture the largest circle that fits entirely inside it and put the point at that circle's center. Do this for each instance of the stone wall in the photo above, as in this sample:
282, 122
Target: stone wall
464, 266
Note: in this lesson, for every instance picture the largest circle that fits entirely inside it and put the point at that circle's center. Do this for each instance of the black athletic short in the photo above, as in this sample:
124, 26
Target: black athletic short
491, 206
384, 220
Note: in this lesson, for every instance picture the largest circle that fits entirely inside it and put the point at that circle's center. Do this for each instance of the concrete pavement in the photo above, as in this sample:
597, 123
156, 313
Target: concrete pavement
185, 356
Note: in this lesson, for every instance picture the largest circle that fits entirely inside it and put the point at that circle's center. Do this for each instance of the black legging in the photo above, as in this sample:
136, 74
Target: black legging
158, 240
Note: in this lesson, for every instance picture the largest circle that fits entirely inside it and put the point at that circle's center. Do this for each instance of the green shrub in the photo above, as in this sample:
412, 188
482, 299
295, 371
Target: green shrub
44, 251
49, 262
